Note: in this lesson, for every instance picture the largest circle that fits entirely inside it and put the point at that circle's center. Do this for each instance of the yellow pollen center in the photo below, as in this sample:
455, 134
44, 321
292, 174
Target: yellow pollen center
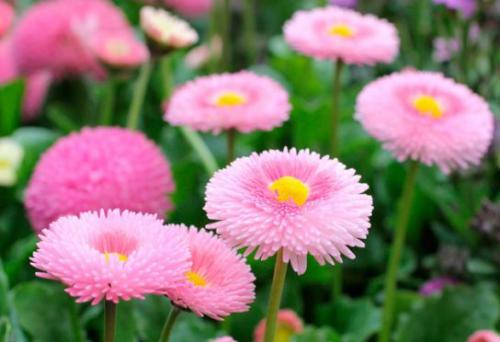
118, 47
4, 164
230, 99
196, 279
341, 30
283, 333
428, 105
290, 188
121, 257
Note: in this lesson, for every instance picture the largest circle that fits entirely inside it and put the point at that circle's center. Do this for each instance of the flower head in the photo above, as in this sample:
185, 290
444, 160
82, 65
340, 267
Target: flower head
223, 339
242, 101
466, 7
445, 48
11, 156
219, 282
288, 325
119, 50
166, 31
344, 3
6, 17
339, 33
427, 117
292, 200
98, 168
484, 336
191, 8
112, 256
436, 285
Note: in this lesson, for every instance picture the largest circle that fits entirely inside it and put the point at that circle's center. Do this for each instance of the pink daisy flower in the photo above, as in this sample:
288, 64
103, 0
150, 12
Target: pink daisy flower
427, 117
223, 339
289, 324
243, 101
292, 200
98, 168
7, 16
219, 282
484, 336
339, 33
112, 256
191, 8
63, 46
119, 50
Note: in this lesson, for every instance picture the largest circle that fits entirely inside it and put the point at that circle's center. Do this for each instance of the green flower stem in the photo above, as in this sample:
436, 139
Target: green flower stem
404, 210
334, 142
225, 34
140, 88
167, 79
337, 282
250, 32
169, 323
199, 146
108, 102
231, 141
109, 321
275, 297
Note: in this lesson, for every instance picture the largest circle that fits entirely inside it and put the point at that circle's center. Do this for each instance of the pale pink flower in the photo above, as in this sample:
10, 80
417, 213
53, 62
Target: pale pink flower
98, 168
57, 36
112, 256
427, 117
7, 16
224, 339
292, 200
219, 282
203, 54
484, 336
191, 8
445, 48
338, 33
243, 101
289, 324
466, 7
119, 50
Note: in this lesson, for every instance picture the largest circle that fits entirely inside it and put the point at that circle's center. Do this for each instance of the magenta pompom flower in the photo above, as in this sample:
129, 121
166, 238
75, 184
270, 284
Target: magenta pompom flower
338, 33
112, 256
288, 324
98, 168
219, 282
243, 101
292, 200
427, 117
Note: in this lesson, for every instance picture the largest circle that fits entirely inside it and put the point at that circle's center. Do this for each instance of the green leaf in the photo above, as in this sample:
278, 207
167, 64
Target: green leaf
310, 334
11, 98
45, 312
450, 317
5, 329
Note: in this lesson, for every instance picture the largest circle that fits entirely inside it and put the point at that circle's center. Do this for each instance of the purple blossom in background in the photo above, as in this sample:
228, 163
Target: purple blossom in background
436, 285
344, 3
466, 7
445, 48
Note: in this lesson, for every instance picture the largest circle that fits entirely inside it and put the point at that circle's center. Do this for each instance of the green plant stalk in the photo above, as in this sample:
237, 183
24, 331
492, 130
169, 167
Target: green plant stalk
225, 34
403, 217
140, 88
109, 321
231, 142
167, 79
169, 323
277, 286
250, 31
108, 102
336, 88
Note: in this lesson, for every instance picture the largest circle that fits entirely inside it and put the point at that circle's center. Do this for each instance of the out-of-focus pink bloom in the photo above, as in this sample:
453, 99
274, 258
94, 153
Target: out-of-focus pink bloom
191, 8
427, 117
201, 55
445, 48
466, 7
339, 33
436, 285
119, 50
223, 339
289, 324
344, 3
484, 336
6, 17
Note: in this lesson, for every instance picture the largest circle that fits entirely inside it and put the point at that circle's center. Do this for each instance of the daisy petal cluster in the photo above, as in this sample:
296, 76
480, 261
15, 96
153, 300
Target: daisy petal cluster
11, 156
339, 33
191, 8
295, 201
118, 50
288, 324
219, 282
484, 336
6, 17
101, 168
427, 117
243, 101
112, 255
166, 31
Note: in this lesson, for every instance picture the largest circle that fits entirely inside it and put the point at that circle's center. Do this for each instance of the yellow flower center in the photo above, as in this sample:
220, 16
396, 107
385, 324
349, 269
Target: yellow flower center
196, 279
119, 256
230, 99
5, 164
283, 333
290, 188
342, 30
428, 105
118, 47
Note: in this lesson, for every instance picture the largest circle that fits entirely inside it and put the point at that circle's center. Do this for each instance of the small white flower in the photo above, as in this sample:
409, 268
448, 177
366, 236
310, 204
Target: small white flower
165, 29
11, 155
